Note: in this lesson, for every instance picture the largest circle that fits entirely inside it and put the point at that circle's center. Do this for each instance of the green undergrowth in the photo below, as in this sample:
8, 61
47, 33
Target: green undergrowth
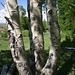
65, 66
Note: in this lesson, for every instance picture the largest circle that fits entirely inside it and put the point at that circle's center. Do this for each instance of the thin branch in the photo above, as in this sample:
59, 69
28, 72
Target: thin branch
2, 4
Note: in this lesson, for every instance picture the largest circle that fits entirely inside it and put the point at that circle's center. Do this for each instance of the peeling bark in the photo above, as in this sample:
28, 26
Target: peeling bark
15, 37
54, 35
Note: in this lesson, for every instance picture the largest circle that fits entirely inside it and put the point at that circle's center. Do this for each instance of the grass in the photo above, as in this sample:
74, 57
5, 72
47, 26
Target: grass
66, 65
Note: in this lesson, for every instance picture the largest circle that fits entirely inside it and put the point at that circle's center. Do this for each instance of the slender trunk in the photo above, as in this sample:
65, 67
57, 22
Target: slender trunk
11, 69
32, 59
54, 35
4, 70
37, 33
15, 37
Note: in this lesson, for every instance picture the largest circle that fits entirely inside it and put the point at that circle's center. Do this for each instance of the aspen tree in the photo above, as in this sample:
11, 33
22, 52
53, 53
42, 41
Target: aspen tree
37, 34
15, 37
54, 35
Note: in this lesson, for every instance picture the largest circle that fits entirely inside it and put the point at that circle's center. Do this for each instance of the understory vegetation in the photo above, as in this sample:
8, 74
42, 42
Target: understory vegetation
66, 59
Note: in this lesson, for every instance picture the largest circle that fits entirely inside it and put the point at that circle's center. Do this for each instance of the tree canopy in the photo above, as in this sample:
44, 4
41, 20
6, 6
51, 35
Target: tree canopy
66, 16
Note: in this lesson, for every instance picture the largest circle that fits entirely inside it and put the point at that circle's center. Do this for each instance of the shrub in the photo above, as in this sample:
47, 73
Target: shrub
3, 34
25, 33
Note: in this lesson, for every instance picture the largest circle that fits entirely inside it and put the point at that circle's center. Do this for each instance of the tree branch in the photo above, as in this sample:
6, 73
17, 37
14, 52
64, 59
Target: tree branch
2, 4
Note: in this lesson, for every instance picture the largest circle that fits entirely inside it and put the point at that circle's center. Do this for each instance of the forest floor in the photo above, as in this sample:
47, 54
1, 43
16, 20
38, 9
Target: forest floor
66, 63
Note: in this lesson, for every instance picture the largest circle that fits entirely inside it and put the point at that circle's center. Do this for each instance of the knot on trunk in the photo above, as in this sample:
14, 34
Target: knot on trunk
50, 11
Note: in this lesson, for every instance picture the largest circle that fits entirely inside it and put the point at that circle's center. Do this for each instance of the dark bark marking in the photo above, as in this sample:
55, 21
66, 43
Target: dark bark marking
39, 45
58, 26
36, 40
9, 31
9, 22
50, 11
33, 18
13, 39
38, 50
51, 54
36, 28
48, 66
39, 3
16, 55
56, 37
12, 46
57, 50
50, 57
20, 50
43, 73
20, 36
25, 68
49, 23
38, 58
20, 64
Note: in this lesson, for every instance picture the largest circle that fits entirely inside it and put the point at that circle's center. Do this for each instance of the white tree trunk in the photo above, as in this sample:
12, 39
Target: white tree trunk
54, 35
37, 33
15, 37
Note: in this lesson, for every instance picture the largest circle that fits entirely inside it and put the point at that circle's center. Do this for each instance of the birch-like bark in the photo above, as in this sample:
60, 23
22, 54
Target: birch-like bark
54, 35
37, 33
15, 37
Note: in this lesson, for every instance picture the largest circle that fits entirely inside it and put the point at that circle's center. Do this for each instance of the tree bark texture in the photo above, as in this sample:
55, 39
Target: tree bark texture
32, 58
37, 33
54, 35
15, 37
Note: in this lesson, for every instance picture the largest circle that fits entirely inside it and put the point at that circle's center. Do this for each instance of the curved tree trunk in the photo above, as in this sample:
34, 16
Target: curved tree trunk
15, 37
54, 35
37, 33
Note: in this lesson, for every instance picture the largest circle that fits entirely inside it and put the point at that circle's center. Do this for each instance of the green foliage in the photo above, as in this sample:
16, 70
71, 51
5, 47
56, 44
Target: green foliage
22, 10
3, 34
66, 59
23, 18
66, 16
44, 26
24, 22
25, 33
